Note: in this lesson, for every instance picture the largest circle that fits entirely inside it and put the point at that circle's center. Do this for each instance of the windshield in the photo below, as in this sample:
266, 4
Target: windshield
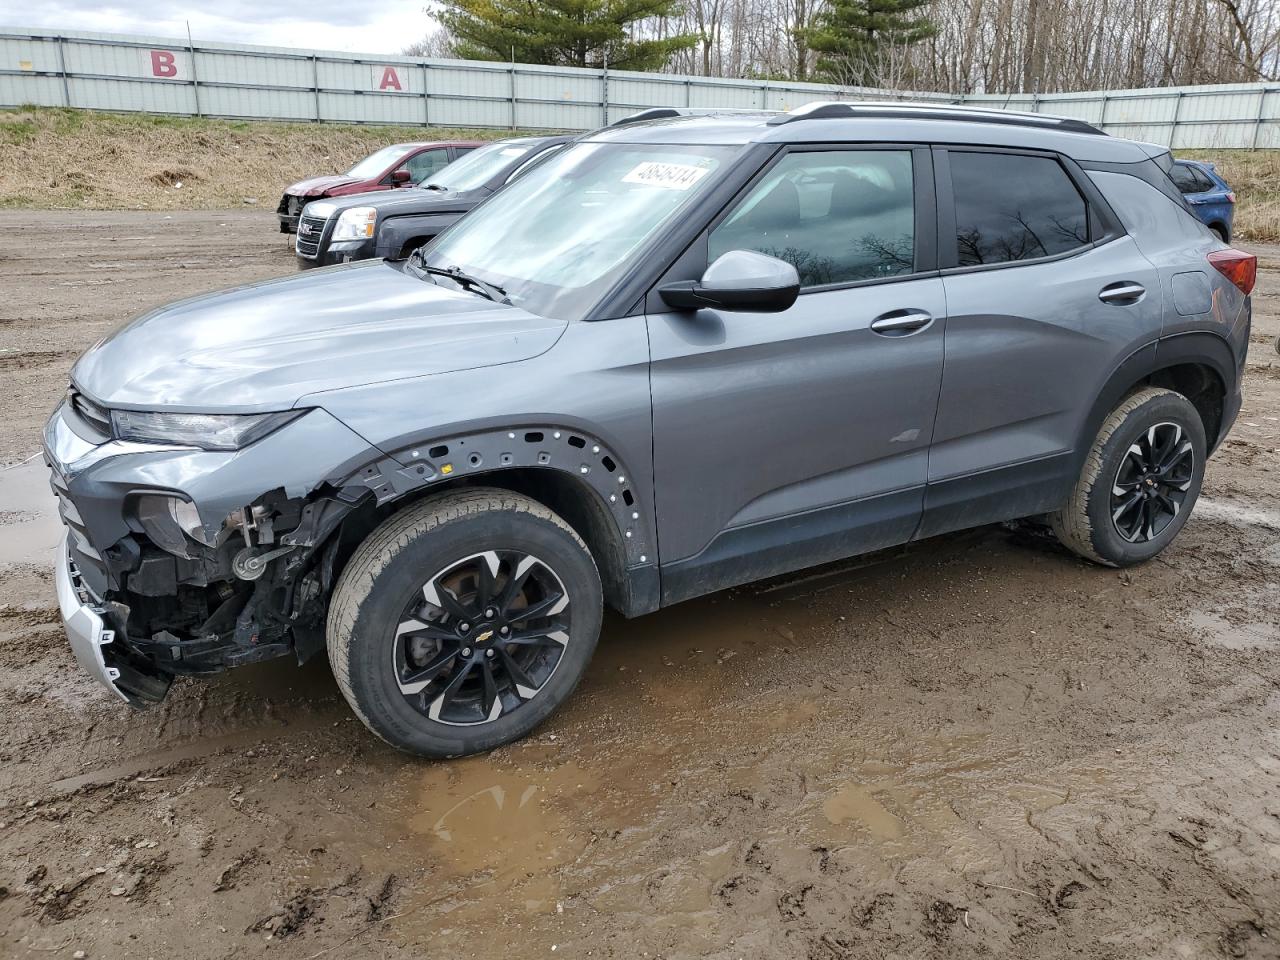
375, 163
557, 238
476, 168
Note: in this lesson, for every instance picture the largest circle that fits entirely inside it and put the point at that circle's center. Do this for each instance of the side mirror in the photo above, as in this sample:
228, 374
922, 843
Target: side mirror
400, 177
738, 280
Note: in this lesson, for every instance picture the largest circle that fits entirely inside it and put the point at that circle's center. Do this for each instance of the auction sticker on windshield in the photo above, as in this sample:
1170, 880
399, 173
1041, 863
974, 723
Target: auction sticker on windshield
668, 176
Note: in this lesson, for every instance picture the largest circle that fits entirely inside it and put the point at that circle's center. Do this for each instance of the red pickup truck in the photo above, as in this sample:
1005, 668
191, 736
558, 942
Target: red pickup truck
399, 165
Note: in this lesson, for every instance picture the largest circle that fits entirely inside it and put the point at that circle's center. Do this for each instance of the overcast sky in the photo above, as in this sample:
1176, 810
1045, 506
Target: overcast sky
386, 26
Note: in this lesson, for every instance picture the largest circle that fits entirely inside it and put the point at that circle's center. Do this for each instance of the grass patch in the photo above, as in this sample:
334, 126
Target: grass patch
18, 127
60, 158
1255, 177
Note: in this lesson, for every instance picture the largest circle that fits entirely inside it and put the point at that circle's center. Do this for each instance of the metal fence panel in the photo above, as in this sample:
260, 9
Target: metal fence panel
162, 75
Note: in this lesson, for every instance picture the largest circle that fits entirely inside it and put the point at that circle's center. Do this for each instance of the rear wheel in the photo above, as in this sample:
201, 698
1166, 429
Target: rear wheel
1139, 483
464, 621
1220, 232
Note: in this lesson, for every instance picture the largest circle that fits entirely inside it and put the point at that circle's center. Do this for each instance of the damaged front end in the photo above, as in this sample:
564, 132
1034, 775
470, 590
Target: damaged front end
186, 560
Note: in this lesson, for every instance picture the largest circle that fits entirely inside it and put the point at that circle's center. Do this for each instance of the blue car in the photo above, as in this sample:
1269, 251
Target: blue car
1210, 198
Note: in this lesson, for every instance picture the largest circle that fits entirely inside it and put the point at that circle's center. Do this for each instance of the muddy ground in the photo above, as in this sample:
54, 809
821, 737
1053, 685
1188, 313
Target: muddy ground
982, 748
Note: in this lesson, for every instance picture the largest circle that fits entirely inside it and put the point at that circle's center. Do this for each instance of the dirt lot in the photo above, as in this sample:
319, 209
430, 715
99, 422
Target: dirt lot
983, 748
51, 157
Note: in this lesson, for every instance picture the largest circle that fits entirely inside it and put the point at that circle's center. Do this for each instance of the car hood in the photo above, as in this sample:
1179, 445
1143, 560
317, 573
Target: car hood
411, 200
263, 346
316, 186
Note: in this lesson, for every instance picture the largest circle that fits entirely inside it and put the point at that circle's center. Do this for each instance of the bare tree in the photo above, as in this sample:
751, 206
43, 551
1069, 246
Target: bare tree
986, 46
437, 43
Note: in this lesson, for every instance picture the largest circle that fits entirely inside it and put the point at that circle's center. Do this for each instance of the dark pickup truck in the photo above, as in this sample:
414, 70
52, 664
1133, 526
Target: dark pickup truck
401, 165
392, 225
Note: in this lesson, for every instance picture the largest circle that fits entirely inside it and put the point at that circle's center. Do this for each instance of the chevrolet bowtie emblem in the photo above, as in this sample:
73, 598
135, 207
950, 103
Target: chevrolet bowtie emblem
481, 638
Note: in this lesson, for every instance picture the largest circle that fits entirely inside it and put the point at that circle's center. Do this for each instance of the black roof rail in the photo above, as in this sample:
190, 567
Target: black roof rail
915, 110
667, 113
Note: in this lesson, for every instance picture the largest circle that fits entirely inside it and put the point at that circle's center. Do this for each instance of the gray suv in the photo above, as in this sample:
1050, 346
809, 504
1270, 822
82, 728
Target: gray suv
677, 356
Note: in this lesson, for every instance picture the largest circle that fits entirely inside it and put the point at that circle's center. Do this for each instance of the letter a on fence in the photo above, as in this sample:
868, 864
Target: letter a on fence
390, 79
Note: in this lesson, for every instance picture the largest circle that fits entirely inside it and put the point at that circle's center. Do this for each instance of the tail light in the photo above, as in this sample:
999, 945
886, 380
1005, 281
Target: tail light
1237, 266
1231, 196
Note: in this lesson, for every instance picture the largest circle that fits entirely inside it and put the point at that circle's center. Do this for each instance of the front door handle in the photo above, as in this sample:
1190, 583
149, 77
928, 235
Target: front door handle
899, 323
1123, 292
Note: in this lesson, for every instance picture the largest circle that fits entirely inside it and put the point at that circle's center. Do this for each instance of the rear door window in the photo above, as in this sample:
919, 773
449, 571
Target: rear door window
1013, 207
1184, 178
838, 216
1203, 183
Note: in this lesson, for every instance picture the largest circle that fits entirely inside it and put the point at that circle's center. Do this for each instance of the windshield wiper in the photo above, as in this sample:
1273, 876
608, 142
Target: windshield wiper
490, 291
435, 186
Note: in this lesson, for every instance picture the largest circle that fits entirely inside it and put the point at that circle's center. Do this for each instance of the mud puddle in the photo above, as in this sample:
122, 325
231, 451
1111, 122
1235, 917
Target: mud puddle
552, 832
29, 526
1228, 634
1240, 514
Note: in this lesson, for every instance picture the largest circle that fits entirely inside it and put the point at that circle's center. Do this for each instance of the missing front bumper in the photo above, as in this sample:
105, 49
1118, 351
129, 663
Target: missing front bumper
93, 639
87, 631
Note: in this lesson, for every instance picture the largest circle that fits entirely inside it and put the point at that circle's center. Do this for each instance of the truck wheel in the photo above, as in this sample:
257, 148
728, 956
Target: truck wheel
463, 621
1139, 483
1220, 232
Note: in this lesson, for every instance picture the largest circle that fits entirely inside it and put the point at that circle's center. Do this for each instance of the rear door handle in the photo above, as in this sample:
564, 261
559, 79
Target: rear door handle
1122, 293
899, 323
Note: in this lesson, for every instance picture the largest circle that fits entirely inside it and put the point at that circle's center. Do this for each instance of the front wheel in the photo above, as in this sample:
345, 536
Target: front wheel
463, 621
1139, 483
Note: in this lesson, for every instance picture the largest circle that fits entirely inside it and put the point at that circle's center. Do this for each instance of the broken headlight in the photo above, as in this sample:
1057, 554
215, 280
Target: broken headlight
166, 518
208, 431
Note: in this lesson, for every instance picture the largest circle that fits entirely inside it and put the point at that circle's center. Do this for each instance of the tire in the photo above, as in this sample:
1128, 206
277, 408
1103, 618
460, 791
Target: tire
1220, 233
413, 591
1113, 476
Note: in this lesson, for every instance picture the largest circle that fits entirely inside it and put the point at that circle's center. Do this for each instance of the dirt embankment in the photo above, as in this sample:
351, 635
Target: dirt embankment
81, 159
54, 158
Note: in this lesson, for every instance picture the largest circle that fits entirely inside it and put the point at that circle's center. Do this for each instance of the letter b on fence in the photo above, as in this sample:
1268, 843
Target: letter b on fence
164, 63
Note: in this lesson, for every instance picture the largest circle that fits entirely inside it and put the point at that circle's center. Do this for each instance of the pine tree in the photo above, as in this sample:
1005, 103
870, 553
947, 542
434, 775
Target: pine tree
577, 33
849, 36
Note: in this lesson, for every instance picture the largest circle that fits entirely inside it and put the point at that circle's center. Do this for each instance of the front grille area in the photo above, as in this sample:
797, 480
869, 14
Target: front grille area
310, 230
96, 417
92, 568
291, 206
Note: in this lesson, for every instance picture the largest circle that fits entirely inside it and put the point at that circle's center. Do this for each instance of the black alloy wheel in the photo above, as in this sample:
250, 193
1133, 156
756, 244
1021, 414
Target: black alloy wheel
1151, 483
482, 639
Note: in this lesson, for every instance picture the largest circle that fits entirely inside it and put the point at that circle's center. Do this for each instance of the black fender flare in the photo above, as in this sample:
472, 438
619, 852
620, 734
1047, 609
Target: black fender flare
395, 232
581, 459
1199, 347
